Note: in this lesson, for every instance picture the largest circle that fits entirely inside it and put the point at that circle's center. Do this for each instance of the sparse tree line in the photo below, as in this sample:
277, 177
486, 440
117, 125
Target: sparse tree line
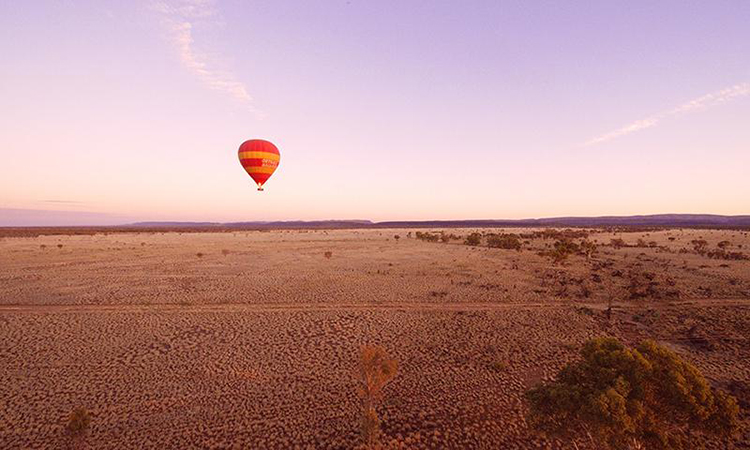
565, 246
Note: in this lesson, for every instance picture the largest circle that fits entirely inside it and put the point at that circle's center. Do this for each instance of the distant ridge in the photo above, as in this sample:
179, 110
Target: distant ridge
655, 220
650, 221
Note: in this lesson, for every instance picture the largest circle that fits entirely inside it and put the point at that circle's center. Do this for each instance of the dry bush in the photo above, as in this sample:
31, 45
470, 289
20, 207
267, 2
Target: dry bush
723, 254
77, 426
617, 243
59, 246
199, 255
376, 369
473, 239
556, 234
328, 254
562, 249
499, 366
508, 241
225, 252
42, 246
429, 237
587, 248
447, 237
396, 237
699, 246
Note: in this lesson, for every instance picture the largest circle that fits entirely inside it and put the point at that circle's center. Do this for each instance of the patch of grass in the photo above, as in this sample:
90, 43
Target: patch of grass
499, 366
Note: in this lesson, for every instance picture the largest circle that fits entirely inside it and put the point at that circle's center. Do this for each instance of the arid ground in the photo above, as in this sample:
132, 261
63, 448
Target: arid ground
250, 339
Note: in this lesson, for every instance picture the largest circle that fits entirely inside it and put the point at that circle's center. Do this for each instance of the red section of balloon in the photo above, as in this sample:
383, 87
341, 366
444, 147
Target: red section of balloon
260, 159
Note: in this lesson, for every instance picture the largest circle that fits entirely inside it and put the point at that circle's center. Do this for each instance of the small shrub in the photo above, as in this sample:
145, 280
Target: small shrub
59, 246
473, 239
396, 237
499, 366
328, 254
199, 255
428, 237
225, 252
587, 248
699, 246
42, 246
617, 243
447, 237
723, 254
77, 426
505, 241
562, 249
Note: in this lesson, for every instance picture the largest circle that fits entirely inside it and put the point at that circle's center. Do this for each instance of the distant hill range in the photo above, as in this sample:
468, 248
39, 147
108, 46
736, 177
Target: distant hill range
656, 220
653, 221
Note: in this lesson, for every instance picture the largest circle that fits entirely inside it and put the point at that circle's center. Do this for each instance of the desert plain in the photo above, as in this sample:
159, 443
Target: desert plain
250, 339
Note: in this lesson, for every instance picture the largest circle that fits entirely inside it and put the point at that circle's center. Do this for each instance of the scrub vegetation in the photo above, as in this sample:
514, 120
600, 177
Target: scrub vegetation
264, 349
632, 398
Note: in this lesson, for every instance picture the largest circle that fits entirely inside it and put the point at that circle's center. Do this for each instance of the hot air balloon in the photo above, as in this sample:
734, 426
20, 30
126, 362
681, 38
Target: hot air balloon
260, 159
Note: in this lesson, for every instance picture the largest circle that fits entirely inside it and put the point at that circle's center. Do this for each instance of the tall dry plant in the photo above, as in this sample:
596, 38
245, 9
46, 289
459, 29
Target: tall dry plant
77, 427
376, 369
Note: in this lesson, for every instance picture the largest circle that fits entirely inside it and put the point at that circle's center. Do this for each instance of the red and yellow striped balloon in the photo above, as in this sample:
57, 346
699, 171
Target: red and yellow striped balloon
260, 159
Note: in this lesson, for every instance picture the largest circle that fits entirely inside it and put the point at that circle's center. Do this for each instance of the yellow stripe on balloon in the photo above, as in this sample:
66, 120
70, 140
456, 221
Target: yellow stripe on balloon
259, 155
259, 169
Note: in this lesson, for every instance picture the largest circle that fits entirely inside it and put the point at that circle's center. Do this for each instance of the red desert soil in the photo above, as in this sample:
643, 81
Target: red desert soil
254, 344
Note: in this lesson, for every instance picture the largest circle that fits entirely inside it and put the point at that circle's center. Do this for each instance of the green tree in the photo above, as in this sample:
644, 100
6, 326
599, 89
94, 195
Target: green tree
628, 398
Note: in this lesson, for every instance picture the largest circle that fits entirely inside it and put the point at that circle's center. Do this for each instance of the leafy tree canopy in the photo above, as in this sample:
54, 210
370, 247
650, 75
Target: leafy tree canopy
639, 397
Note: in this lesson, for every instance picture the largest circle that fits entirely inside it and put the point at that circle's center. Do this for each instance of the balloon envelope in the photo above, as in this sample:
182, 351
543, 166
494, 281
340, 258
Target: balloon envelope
260, 159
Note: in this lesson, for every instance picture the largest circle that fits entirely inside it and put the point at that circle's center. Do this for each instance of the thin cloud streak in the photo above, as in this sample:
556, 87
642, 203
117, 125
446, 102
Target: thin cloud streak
703, 102
179, 18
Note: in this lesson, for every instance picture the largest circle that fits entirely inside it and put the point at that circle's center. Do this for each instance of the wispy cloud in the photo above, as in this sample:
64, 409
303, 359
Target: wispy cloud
703, 102
64, 202
179, 18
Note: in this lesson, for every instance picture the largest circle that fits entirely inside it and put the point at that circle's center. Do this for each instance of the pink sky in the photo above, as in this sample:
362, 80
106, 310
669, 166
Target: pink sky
123, 111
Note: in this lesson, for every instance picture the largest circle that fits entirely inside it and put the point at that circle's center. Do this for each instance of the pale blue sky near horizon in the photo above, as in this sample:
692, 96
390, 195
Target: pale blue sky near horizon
382, 110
